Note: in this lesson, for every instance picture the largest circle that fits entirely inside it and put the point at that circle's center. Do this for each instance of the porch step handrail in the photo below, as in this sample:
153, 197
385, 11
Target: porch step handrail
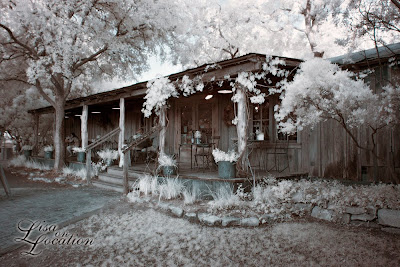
96, 143
141, 139
102, 139
4, 181
135, 142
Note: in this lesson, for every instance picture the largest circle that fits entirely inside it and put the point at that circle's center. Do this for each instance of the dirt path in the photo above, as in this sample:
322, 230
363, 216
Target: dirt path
139, 235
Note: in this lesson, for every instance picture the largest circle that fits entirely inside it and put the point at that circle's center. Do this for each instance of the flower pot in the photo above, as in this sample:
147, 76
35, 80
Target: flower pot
27, 153
48, 154
226, 169
80, 156
260, 137
169, 170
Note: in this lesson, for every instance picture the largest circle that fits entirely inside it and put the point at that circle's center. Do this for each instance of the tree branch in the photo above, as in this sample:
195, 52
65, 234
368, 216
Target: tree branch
86, 60
396, 3
10, 33
42, 93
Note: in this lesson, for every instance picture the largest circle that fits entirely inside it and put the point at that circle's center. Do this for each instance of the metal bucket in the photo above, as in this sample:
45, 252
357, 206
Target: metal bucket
226, 169
169, 170
80, 156
27, 154
48, 154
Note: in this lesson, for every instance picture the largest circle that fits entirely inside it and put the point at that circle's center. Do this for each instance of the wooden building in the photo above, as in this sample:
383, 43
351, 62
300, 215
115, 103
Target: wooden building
325, 151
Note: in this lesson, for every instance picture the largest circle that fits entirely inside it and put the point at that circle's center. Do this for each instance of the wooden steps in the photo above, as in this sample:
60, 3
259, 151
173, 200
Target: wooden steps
113, 179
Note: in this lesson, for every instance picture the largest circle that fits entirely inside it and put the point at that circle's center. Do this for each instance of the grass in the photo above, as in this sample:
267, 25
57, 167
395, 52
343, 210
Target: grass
21, 161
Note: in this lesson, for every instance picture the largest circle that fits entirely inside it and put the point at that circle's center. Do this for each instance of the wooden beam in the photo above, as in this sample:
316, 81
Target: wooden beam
84, 126
121, 138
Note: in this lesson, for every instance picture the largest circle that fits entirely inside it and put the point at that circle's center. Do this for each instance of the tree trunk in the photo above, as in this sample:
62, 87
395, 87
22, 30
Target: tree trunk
59, 135
163, 124
241, 129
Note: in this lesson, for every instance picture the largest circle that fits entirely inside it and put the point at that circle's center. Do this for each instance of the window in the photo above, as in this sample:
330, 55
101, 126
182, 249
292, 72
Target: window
186, 124
261, 121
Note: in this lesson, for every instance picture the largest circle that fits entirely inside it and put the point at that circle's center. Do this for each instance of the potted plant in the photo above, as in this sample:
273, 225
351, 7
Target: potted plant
80, 152
108, 155
27, 151
48, 152
226, 163
168, 164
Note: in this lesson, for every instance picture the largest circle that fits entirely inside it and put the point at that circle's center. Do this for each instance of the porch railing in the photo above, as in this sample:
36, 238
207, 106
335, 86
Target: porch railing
96, 143
128, 147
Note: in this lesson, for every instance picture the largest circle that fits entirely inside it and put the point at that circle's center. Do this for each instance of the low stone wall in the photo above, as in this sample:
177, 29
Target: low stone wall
387, 219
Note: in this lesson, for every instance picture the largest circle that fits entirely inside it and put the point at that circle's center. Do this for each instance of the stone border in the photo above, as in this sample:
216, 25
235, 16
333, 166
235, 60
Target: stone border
387, 220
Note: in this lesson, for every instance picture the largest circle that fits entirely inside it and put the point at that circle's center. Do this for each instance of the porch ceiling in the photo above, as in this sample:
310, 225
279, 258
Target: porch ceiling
250, 62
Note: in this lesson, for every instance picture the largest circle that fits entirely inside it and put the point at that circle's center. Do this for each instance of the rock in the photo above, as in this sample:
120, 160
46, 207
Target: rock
298, 196
355, 210
178, 212
267, 218
250, 222
344, 218
163, 206
230, 221
391, 230
302, 206
191, 216
322, 214
389, 217
209, 219
59, 179
365, 217
365, 224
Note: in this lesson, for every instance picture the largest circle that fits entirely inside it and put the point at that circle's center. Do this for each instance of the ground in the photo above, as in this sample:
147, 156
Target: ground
141, 234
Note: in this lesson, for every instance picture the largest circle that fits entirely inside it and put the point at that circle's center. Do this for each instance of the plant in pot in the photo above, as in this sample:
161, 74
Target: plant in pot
226, 163
48, 152
27, 151
80, 152
168, 164
108, 155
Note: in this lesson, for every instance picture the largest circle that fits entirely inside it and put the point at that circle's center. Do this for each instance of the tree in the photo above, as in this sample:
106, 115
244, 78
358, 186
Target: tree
64, 45
322, 91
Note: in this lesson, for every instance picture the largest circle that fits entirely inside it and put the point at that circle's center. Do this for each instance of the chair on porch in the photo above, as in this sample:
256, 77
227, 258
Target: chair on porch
203, 153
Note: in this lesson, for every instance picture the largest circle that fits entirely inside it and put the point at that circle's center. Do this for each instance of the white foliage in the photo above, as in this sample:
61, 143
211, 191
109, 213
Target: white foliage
220, 155
157, 94
165, 160
321, 90
108, 154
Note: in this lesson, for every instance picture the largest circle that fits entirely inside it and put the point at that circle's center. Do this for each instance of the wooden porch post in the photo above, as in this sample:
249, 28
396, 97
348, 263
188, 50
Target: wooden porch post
84, 128
121, 138
163, 124
241, 127
84, 136
36, 132
125, 172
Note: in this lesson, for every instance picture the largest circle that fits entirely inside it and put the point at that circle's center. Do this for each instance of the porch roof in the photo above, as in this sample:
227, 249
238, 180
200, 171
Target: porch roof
367, 58
247, 62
